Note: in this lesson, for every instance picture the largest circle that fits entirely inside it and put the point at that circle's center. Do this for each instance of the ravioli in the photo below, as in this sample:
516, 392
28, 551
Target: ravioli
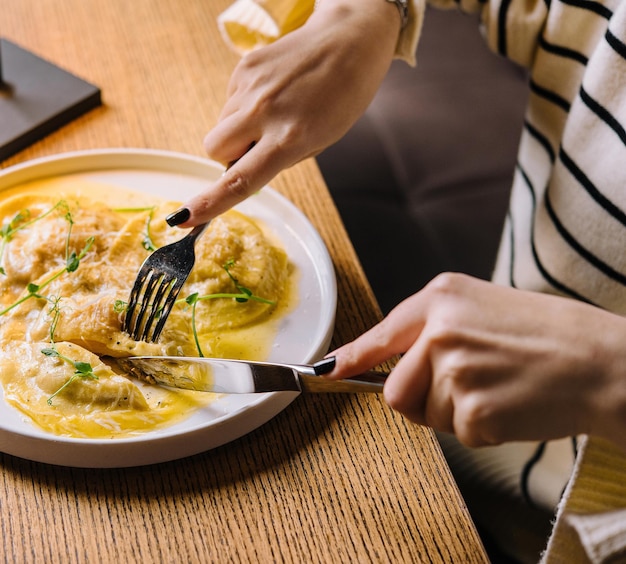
67, 263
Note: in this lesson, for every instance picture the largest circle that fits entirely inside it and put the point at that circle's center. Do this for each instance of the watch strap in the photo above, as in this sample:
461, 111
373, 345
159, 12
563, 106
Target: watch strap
403, 8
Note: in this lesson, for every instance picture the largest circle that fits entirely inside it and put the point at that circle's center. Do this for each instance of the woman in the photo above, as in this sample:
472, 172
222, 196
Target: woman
535, 355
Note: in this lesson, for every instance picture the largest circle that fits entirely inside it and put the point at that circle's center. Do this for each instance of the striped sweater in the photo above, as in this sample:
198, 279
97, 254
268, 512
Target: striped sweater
565, 232
566, 228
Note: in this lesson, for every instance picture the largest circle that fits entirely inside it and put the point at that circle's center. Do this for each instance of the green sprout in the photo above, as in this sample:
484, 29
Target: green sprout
147, 242
244, 295
20, 221
82, 370
33, 290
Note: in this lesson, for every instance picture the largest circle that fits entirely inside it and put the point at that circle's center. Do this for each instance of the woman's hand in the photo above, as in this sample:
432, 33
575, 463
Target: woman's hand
293, 98
494, 364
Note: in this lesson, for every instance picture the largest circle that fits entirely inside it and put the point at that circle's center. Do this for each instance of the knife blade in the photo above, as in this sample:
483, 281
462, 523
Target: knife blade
245, 377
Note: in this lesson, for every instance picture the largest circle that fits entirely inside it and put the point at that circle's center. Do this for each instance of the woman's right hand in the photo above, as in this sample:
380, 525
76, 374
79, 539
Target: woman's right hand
493, 364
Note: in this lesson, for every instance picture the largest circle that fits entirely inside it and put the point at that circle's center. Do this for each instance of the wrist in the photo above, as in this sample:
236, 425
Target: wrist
606, 406
385, 15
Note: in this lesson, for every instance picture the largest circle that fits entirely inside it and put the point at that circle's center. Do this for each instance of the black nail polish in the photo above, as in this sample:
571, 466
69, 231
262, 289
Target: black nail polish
178, 217
324, 366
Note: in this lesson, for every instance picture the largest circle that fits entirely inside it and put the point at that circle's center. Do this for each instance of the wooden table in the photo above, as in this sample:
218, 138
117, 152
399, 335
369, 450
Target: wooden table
330, 479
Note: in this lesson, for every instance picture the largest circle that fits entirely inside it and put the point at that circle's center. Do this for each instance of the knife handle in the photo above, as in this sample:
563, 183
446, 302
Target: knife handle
370, 382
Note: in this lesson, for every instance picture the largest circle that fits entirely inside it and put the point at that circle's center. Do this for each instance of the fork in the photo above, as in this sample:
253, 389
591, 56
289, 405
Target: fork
158, 284
161, 277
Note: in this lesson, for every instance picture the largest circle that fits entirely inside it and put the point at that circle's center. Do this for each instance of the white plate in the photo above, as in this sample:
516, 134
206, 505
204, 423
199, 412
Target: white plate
304, 334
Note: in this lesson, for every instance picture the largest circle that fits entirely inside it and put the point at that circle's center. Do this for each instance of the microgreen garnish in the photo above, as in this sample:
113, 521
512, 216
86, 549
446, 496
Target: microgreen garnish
133, 210
20, 221
72, 262
192, 300
33, 290
120, 306
247, 293
147, 242
244, 295
81, 369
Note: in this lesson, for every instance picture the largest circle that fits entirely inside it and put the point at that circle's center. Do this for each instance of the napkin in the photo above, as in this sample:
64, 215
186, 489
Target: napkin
249, 24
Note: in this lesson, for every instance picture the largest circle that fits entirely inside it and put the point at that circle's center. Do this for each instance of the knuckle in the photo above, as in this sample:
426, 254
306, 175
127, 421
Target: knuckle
237, 185
448, 312
250, 59
394, 399
474, 422
404, 404
447, 284
289, 139
456, 367
441, 330
443, 336
210, 143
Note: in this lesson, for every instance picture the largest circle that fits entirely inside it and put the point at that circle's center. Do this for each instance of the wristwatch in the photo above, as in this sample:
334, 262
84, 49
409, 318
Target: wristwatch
403, 8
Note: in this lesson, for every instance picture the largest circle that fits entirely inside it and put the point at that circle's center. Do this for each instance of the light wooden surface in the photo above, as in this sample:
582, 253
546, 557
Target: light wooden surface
332, 478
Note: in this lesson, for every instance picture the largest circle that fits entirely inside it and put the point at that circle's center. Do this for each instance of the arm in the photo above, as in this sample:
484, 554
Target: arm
250, 24
296, 96
494, 364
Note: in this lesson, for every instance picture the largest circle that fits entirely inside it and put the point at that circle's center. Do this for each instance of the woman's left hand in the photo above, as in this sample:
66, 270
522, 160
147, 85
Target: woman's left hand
295, 97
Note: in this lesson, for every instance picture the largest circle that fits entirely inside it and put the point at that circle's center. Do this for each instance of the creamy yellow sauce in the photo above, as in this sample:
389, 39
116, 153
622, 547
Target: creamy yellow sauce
74, 316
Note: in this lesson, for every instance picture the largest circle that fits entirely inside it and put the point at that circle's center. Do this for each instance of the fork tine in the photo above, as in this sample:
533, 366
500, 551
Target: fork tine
167, 307
157, 285
165, 284
140, 296
145, 300
134, 301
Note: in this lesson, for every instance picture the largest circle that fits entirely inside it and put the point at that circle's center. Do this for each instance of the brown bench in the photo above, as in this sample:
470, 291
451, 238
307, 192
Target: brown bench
422, 180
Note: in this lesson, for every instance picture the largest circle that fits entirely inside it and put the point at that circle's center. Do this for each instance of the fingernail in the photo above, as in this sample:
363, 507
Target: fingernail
324, 366
178, 217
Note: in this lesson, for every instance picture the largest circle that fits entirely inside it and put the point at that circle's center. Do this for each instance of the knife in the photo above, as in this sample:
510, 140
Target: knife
245, 377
